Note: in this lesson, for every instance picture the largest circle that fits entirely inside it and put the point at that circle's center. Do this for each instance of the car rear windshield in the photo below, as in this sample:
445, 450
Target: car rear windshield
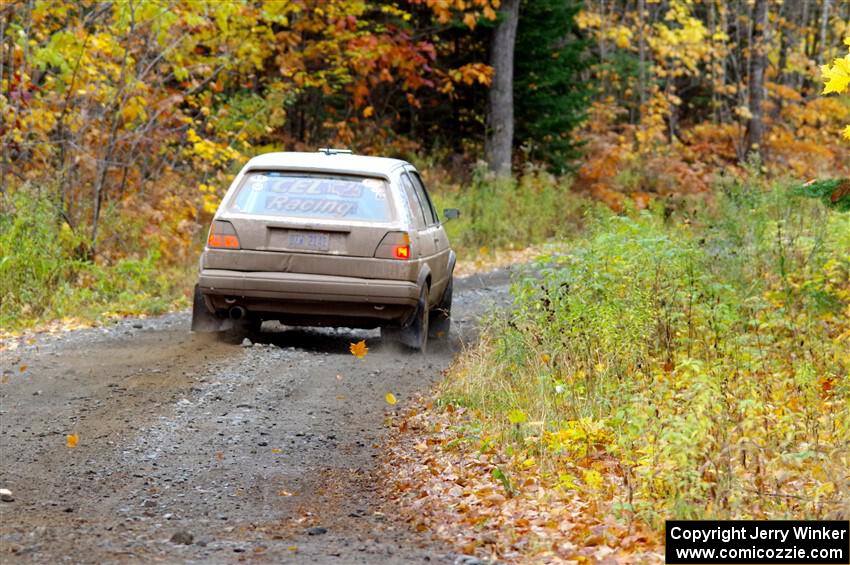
314, 196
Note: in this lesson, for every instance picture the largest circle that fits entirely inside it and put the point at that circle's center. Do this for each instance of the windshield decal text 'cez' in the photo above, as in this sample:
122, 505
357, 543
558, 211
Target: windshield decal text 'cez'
343, 189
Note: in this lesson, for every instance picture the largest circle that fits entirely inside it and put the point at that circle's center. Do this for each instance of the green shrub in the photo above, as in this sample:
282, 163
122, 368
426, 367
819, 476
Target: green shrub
510, 213
709, 358
44, 274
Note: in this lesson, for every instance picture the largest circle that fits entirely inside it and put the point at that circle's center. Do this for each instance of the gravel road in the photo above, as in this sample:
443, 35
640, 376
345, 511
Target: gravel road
196, 450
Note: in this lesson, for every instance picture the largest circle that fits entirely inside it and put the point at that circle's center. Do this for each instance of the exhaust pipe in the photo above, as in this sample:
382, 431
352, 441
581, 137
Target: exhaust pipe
237, 313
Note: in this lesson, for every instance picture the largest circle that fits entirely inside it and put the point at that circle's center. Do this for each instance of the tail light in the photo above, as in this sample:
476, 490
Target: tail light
222, 236
395, 245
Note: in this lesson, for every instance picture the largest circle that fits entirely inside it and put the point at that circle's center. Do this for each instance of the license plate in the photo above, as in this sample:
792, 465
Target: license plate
314, 241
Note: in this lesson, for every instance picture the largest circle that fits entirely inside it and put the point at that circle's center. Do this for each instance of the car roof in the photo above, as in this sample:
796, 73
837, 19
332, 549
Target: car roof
326, 162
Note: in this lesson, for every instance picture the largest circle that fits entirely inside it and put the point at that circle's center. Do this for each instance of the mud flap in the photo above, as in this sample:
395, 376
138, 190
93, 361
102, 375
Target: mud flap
415, 334
204, 321
440, 322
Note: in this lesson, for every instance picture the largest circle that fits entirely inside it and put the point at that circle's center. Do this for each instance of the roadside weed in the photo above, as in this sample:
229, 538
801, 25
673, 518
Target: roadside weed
45, 275
688, 367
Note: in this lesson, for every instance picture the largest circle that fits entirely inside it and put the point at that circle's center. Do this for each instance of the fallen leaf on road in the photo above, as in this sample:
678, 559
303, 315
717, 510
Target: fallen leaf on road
359, 349
275, 450
72, 440
219, 455
23, 368
390, 398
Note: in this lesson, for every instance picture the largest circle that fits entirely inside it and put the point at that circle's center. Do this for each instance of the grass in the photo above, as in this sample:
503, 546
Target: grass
45, 276
681, 367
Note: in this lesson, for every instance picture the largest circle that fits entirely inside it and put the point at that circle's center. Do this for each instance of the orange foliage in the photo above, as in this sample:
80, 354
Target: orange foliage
630, 161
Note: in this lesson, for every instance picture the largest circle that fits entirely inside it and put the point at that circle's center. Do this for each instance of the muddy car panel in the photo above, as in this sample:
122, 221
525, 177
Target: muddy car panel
315, 233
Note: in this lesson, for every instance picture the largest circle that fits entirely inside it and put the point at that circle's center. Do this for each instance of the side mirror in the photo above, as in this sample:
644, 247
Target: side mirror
451, 213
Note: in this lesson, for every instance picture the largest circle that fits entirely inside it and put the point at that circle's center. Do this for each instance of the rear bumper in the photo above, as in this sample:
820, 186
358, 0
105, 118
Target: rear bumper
307, 288
310, 300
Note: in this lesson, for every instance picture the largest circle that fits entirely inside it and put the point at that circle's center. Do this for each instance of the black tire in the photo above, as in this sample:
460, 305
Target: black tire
415, 333
440, 322
203, 321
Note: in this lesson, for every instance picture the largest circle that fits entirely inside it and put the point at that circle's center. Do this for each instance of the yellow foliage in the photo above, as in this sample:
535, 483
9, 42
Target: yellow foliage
837, 78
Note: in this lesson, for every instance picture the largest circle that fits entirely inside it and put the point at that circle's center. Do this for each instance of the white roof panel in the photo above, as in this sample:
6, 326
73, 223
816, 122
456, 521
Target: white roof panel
320, 161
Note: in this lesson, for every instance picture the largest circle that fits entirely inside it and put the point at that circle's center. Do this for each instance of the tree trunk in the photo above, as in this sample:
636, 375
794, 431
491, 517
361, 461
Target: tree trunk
824, 24
758, 63
499, 140
105, 163
641, 60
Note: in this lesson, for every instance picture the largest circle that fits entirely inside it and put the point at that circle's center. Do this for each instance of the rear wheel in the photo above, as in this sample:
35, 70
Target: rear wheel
203, 321
415, 333
440, 321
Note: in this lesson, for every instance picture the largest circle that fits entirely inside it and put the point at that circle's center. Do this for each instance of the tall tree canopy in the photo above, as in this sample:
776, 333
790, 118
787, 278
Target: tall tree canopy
551, 96
129, 118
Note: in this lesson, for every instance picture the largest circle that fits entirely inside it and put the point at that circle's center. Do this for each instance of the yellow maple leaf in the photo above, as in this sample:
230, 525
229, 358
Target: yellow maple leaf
390, 398
72, 440
368, 111
359, 349
836, 76
846, 133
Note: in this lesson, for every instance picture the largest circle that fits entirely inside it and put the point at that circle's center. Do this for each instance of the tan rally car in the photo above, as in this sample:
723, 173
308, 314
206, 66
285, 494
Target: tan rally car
327, 239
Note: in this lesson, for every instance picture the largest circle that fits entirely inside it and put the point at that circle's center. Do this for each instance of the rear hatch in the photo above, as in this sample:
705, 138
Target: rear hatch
307, 223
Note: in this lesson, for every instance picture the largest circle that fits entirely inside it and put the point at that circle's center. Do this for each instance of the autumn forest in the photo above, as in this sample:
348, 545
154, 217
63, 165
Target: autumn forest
674, 175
